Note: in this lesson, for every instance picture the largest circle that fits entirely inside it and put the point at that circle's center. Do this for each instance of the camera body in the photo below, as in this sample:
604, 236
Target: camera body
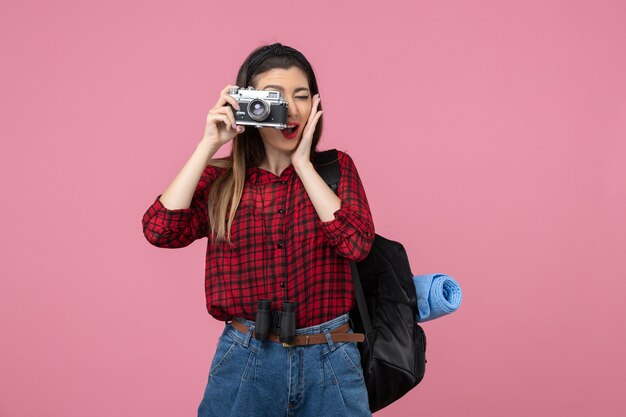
259, 108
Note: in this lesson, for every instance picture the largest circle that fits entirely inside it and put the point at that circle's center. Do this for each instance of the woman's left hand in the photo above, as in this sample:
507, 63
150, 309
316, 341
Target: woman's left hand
302, 154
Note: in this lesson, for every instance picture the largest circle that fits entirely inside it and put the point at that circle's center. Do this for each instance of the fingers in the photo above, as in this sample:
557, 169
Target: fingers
226, 111
312, 123
221, 107
225, 97
316, 102
314, 116
217, 117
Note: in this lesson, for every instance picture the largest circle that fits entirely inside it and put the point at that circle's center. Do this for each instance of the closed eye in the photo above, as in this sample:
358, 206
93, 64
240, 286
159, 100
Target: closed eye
303, 97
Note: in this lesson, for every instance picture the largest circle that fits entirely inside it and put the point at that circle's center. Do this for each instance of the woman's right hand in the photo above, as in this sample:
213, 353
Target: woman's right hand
220, 122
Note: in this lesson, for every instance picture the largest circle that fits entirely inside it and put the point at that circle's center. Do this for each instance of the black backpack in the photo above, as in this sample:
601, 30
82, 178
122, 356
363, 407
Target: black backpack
393, 355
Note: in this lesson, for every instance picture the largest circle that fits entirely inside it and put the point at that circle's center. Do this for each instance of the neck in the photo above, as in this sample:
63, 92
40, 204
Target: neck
275, 162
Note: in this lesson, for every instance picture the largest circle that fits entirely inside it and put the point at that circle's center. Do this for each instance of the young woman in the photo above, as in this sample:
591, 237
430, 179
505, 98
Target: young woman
276, 231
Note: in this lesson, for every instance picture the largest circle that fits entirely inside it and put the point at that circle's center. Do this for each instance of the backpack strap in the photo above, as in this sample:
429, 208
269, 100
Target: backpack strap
361, 302
327, 165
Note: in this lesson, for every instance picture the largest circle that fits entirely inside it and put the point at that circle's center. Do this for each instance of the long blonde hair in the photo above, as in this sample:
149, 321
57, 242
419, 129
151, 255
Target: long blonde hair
247, 148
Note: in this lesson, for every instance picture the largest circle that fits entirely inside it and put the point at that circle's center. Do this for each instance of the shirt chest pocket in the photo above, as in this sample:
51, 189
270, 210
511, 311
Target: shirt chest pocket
305, 225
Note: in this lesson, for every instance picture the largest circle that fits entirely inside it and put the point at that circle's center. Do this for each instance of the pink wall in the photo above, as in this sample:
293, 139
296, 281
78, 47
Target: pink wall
490, 137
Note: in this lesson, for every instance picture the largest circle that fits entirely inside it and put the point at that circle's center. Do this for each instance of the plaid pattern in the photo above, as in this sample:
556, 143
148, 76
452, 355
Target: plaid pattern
280, 249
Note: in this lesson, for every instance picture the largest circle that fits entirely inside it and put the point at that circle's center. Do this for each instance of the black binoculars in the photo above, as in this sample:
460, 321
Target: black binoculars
281, 322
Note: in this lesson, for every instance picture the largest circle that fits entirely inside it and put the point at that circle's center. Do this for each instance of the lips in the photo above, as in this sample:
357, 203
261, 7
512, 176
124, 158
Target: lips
291, 131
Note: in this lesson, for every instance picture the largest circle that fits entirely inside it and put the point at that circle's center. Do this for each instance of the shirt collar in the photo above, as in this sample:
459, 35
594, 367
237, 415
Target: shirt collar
259, 176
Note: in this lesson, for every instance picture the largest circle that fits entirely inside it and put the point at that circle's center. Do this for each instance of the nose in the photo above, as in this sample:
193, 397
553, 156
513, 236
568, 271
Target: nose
292, 109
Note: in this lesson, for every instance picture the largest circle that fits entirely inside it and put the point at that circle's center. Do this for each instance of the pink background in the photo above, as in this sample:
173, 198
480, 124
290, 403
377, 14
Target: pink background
490, 137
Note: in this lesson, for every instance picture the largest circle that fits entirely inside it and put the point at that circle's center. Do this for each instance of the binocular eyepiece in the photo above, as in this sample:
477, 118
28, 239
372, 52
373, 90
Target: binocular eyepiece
281, 322
263, 320
288, 323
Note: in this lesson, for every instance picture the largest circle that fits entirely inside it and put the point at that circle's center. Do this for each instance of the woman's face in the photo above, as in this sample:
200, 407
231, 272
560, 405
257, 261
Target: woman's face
294, 87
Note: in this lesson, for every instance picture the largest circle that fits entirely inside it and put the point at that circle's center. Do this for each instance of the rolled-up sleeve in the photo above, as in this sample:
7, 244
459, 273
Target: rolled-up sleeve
177, 228
351, 232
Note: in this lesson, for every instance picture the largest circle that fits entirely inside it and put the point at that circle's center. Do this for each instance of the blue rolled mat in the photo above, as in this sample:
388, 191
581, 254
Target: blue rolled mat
437, 295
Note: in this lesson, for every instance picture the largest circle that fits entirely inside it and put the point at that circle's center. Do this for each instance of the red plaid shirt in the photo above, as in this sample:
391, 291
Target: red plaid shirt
280, 251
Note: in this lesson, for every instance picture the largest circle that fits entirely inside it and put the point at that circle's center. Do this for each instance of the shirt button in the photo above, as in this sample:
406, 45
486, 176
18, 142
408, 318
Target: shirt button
281, 211
283, 182
280, 245
282, 285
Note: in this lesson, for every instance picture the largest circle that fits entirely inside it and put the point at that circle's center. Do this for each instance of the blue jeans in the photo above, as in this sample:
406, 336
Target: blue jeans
253, 378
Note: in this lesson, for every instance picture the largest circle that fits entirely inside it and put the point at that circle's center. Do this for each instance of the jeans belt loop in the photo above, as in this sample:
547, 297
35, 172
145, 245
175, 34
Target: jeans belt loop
248, 336
329, 340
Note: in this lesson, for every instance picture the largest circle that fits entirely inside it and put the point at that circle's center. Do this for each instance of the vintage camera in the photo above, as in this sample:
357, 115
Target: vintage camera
259, 108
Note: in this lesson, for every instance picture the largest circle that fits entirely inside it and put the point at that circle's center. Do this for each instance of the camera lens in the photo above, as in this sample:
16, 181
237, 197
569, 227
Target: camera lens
258, 109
